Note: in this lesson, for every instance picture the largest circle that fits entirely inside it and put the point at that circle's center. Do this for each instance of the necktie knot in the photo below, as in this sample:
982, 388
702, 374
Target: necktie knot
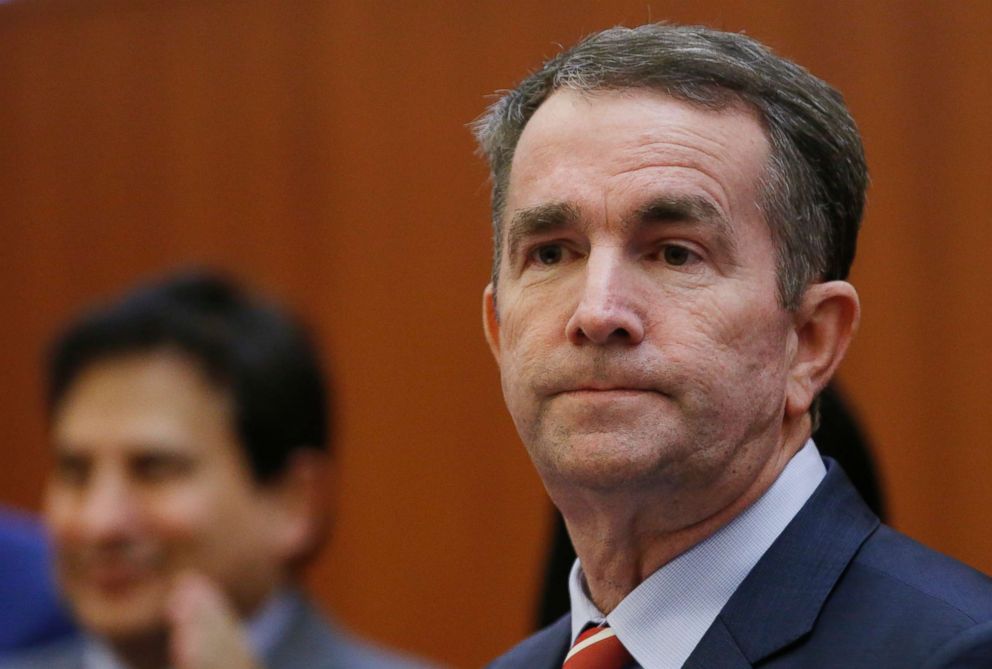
597, 648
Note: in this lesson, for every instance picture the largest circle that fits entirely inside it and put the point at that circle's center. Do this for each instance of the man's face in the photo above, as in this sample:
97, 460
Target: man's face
636, 322
150, 481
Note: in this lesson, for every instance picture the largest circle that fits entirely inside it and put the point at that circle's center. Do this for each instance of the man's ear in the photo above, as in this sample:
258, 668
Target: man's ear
490, 319
300, 517
824, 326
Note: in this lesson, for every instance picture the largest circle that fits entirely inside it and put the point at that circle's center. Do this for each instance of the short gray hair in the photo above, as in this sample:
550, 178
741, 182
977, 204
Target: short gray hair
813, 189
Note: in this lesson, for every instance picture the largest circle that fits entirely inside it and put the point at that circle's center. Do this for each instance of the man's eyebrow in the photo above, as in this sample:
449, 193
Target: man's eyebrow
65, 450
684, 208
537, 220
678, 208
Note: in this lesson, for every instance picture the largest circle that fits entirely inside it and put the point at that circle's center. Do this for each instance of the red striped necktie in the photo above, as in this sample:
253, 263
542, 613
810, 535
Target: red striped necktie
597, 648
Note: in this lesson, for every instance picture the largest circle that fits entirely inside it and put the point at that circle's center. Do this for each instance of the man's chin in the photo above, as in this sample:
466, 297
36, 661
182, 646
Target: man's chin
600, 463
124, 617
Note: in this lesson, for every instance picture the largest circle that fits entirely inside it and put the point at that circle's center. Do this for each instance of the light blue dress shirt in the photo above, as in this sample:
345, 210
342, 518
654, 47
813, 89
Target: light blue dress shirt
264, 631
663, 619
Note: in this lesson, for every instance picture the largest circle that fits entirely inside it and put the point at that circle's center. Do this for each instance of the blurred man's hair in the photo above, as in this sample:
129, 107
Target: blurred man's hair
258, 354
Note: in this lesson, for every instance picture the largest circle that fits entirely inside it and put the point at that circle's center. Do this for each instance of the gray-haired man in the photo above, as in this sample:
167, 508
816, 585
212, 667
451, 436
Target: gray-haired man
675, 212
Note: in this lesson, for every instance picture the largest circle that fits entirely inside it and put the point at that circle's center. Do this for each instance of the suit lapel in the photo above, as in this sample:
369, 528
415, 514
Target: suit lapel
717, 648
780, 599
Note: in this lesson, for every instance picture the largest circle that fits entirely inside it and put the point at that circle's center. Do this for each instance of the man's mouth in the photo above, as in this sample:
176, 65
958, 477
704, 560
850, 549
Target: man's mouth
604, 387
111, 573
115, 576
110, 581
607, 393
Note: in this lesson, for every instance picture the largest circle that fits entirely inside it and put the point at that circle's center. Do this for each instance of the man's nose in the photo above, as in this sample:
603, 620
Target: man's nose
107, 510
607, 310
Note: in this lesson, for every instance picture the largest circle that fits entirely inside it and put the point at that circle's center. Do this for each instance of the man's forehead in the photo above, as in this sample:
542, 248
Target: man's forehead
636, 141
567, 113
158, 400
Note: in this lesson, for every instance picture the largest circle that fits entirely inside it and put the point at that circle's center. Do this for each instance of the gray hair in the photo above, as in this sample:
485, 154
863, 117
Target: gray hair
813, 189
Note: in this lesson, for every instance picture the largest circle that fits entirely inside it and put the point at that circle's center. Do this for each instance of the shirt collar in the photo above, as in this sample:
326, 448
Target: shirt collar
264, 630
662, 620
269, 625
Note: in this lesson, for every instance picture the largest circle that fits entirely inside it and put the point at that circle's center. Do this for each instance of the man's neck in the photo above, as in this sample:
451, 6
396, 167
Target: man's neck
149, 651
622, 538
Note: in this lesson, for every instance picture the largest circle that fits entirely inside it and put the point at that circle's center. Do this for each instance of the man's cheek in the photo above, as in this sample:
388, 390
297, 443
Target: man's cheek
523, 350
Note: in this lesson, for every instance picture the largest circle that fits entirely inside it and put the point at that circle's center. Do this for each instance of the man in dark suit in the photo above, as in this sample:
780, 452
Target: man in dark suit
190, 428
675, 213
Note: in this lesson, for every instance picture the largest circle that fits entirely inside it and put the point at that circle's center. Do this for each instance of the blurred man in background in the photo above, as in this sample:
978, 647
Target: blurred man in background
190, 427
675, 213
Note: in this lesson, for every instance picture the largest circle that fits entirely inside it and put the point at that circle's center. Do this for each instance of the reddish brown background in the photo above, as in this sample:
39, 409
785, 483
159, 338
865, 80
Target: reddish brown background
319, 149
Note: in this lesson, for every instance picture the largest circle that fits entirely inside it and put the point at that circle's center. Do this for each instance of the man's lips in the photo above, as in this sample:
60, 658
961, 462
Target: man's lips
631, 378
110, 571
607, 391
114, 576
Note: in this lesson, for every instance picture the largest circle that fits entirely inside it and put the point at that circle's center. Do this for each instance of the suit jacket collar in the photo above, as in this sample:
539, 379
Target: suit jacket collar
781, 598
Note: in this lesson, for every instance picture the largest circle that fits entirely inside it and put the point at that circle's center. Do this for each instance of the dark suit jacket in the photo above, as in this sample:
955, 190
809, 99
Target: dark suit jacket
311, 642
836, 589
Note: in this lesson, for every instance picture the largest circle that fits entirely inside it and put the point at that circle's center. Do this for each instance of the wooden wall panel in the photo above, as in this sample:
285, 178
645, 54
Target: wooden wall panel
319, 150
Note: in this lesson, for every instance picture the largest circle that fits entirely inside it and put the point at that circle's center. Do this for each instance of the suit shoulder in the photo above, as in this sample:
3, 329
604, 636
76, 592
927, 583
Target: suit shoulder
897, 604
925, 577
62, 654
363, 656
357, 653
315, 642
544, 649
970, 650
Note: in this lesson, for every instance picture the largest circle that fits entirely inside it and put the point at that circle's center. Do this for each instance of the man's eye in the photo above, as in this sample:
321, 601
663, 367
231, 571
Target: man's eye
550, 254
72, 471
677, 255
157, 468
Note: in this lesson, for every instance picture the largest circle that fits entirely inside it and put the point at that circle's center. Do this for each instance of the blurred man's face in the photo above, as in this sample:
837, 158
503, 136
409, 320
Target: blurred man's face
639, 332
149, 482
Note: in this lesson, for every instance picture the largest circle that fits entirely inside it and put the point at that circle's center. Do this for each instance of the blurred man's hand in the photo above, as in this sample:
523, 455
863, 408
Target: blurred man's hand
206, 631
